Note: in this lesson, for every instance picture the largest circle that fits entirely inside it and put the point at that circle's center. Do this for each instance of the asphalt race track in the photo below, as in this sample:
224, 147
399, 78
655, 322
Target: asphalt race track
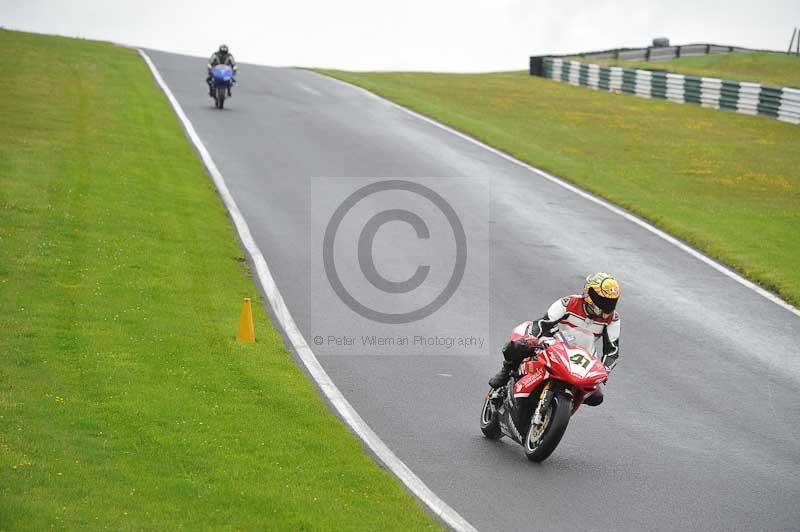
699, 427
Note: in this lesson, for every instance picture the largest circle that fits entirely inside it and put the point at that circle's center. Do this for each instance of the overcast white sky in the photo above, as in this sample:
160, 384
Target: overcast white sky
442, 35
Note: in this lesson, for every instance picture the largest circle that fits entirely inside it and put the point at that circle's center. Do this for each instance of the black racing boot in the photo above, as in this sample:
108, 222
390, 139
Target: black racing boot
502, 376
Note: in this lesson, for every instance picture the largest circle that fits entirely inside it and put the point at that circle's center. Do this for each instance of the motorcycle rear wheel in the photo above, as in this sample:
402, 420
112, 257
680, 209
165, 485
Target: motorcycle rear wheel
542, 440
490, 420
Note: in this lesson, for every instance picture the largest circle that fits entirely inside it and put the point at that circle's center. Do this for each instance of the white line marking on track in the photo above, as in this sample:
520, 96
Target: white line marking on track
613, 208
301, 347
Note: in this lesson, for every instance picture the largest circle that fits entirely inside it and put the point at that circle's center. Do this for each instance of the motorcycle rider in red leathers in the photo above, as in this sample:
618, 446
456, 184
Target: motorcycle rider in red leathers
589, 317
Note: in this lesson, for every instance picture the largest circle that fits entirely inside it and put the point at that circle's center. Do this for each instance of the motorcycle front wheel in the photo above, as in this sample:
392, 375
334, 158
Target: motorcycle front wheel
542, 440
490, 420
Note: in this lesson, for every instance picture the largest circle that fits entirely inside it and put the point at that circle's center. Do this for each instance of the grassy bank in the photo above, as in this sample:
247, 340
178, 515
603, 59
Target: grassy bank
124, 401
726, 183
770, 68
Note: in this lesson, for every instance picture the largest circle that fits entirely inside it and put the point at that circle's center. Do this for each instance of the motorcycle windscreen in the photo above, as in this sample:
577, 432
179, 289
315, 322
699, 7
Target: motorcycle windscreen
222, 73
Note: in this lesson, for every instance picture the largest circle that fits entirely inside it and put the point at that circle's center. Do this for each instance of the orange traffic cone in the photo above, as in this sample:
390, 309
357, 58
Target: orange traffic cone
246, 332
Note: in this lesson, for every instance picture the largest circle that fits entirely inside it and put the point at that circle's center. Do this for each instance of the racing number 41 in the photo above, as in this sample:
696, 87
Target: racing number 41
580, 360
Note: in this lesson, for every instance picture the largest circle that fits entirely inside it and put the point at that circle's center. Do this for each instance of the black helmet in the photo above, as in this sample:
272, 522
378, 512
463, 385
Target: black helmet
223, 48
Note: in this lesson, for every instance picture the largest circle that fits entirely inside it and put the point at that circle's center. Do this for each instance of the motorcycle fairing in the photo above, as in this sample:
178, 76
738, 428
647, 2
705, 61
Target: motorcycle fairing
222, 75
535, 374
576, 366
515, 411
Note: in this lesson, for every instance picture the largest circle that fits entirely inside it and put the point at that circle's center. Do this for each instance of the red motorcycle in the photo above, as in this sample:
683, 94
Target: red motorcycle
542, 394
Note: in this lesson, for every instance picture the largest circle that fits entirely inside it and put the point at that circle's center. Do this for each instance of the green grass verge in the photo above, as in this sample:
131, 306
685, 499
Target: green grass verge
726, 183
125, 403
770, 68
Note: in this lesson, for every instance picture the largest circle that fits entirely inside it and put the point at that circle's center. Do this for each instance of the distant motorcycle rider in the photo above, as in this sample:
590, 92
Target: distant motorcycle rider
590, 317
221, 57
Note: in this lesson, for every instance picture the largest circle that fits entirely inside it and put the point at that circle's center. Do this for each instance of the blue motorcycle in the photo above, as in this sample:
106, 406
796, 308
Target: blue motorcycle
221, 83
